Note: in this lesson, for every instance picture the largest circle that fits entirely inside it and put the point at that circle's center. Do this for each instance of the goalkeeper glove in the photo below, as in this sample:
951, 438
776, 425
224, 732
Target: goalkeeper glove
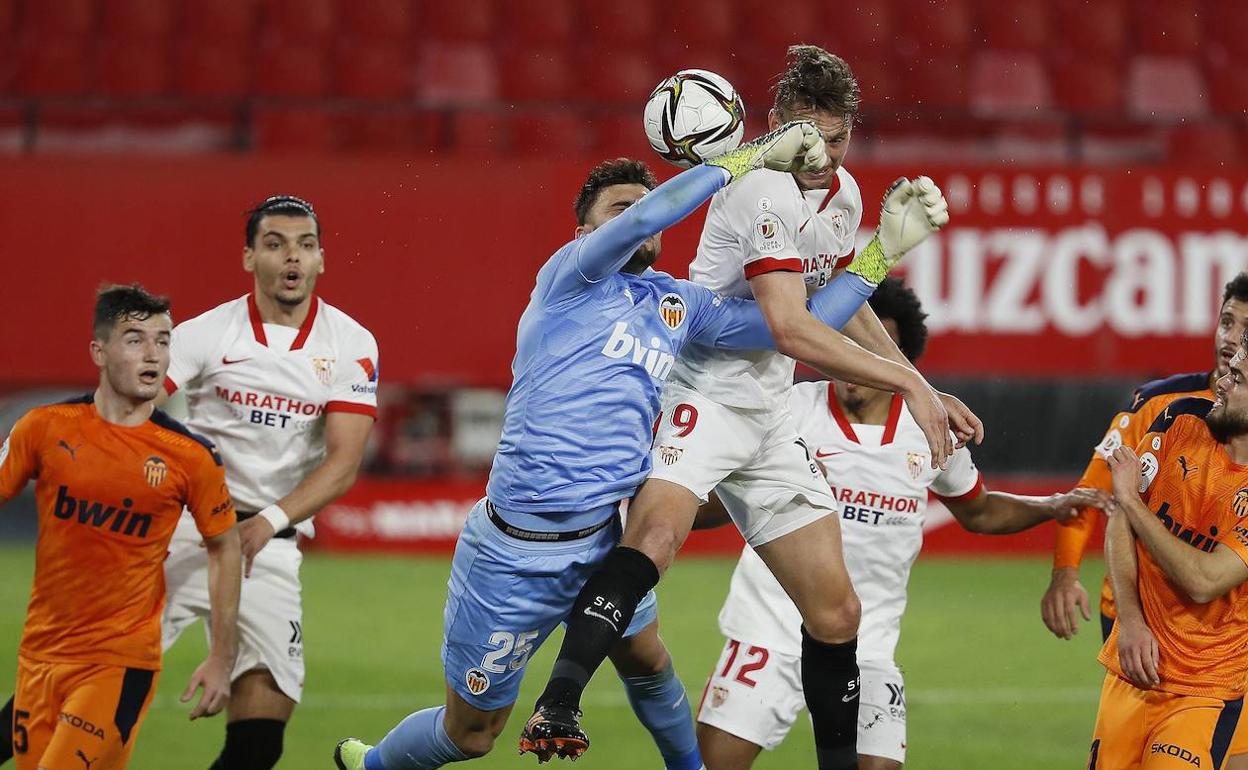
794, 147
911, 211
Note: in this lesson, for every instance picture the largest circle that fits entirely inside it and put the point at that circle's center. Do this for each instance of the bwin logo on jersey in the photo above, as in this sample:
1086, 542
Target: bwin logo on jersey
621, 344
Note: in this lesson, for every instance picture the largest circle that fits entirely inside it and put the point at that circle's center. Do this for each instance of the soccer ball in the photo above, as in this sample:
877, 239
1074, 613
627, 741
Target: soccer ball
694, 115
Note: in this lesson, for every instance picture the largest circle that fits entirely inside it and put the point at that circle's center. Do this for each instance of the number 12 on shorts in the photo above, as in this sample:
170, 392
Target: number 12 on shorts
753, 660
518, 646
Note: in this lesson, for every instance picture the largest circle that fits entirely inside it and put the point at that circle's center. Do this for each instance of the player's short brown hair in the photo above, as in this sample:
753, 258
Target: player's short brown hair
114, 302
607, 173
816, 79
281, 206
893, 299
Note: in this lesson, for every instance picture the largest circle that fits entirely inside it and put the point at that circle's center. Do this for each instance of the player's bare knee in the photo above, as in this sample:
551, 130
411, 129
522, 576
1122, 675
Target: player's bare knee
836, 621
660, 543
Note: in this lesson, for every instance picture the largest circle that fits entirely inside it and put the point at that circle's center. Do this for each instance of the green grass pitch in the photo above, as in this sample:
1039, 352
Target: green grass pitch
988, 686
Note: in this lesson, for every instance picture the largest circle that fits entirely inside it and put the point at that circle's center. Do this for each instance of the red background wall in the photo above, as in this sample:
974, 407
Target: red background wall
437, 258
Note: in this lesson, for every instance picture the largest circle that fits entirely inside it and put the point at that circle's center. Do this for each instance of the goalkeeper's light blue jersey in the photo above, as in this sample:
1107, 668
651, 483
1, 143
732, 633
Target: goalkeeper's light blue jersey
593, 348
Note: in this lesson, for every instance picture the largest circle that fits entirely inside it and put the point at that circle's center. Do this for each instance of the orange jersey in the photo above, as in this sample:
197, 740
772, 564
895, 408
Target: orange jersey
1127, 428
108, 498
1201, 496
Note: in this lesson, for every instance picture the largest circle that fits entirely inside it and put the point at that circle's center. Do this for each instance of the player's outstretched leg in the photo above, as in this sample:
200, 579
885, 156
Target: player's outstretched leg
427, 739
602, 612
657, 695
821, 589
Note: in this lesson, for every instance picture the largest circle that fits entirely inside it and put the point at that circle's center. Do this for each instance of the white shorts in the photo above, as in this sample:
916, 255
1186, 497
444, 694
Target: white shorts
270, 609
754, 459
756, 695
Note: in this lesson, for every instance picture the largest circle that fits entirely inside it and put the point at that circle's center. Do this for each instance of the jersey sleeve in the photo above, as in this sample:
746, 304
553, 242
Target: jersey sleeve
190, 351
19, 455
355, 378
960, 481
1073, 536
768, 202
207, 496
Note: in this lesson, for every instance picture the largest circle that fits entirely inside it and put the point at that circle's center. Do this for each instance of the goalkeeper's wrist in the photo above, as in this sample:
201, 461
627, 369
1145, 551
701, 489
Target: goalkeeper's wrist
277, 518
870, 264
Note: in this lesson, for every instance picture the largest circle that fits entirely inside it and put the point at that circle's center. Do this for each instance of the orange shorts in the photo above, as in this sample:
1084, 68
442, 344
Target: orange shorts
77, 716
1155, 730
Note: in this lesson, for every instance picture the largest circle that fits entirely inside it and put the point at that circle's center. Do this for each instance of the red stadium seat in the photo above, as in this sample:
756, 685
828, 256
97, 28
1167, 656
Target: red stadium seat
220, 23
937, 29
8, 22
1088, 85
457, 74
1226, 26
559, 133
1206, 144
1009, 84
378, 20
859, 29
618, 24
775, 25
124, 68
1169, 28
161, 130
633, 76
388, 131
697, 26
480, 134
876, 81
374, 70
1166, 88
536, 76
293, 130
55, 19
546, 23
52, 67
137, 19
458, 21
621, 135
1015, 24
1091, 27
933, 82
305, 22
1228, 88
1122, 143
213, 70
14, 134
1032, 141
294, 69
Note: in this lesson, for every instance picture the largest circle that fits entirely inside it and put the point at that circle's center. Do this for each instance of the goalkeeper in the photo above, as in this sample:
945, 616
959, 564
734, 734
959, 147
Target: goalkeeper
725, 422
599, 336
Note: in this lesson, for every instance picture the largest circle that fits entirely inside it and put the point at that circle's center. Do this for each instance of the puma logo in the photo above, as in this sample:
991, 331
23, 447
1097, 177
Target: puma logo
1186, 468
73, 450
85, 761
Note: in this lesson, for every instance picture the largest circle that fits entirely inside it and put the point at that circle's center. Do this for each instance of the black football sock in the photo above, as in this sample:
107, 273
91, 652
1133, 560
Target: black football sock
6, 745
598, 620
831, 685
251, 744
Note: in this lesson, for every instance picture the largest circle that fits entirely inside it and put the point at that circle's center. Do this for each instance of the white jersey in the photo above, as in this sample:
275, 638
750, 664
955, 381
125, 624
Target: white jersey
261, 391
880, 475
760, 224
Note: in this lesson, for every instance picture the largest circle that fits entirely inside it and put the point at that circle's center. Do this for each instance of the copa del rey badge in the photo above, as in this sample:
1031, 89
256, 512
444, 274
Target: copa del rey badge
672, 310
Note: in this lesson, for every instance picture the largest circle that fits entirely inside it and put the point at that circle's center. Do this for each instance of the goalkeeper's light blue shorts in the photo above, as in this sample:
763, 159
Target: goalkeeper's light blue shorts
507, 594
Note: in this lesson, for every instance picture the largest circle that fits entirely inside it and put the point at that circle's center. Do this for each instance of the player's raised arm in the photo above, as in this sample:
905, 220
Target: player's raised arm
603, 250
739, 324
